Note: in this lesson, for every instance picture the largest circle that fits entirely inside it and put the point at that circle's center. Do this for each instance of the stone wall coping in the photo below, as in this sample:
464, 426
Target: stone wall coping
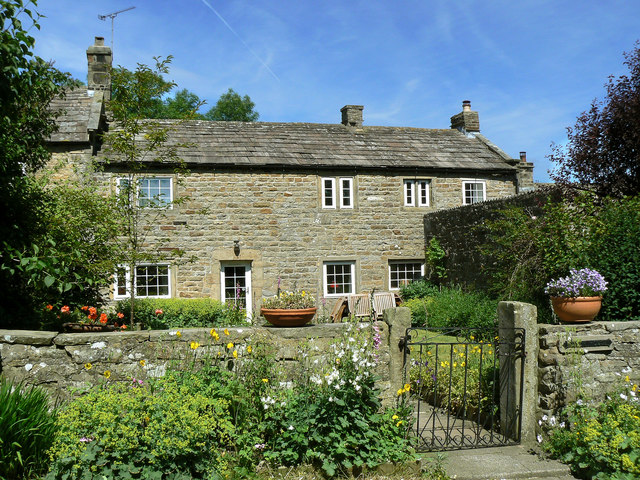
591, 327
41, 338
27, 337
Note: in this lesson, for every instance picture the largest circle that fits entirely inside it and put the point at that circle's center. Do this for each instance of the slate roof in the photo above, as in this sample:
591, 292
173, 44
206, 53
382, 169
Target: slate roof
80, 114
263, 144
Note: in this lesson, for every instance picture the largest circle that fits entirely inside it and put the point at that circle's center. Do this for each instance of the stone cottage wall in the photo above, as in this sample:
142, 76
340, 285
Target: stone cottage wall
282, 230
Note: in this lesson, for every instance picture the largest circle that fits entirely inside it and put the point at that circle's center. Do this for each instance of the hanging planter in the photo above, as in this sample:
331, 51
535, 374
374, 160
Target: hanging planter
576, 309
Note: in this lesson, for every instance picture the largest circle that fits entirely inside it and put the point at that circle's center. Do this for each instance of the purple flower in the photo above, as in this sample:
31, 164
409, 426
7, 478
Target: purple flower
579, 283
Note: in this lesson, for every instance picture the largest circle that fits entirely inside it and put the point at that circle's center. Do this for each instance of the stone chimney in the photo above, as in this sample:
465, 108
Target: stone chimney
99, 59
467, 120
352, 115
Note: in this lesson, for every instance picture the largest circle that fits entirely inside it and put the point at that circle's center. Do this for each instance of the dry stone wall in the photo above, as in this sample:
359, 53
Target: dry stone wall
66, 364
594, 357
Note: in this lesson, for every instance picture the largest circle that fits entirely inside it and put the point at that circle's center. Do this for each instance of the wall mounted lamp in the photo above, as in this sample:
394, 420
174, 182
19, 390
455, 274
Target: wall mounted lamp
236, 247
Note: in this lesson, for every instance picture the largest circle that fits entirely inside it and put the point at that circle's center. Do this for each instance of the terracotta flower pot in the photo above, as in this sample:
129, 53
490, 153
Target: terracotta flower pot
576, 309
288, 317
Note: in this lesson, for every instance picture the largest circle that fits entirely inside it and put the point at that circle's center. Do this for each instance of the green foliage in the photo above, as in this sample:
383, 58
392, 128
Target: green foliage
527, 250
334, 419
232, 107
600, 440
41, 254
457, 375
448, 306
435, 256
290, 300
168, 428
178, 312
27, 427
418, 289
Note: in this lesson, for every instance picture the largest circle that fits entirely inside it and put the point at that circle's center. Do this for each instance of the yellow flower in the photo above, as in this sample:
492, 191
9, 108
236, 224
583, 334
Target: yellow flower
395, 417
249, 349
490, 352
226, 331
455, 364
265, 380
400, 392
214, 334
143, 362
399, 423
229, 345
429, 352
178, 334
194, 345
88, 366
462, 354
235, 354
626, 378
107, 374
462, 364
407, 387
472, 337
337, 360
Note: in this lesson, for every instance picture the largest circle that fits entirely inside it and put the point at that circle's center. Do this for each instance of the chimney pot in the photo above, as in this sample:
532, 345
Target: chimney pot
352, 115
99, 41
466, 106
523, 157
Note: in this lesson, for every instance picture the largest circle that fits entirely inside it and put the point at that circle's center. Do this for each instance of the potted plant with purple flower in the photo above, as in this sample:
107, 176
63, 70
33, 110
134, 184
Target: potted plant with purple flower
289, 309
577, 297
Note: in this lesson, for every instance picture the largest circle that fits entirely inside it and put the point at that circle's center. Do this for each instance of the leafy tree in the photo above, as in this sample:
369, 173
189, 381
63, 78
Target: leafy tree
27, 86
135, 144
603, 151
233, 107
184, 104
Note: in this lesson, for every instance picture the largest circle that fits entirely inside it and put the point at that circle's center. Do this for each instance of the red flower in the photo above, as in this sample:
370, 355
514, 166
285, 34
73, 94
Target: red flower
85, 308
159, 312
93, 313
120, 315
103, 318
124, 327
65, 309
49, 307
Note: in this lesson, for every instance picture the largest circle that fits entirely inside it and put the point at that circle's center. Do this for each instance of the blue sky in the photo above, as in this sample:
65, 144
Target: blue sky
528, 67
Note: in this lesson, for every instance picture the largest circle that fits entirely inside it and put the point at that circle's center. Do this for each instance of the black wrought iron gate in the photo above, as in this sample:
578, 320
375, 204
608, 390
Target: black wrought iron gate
465, 387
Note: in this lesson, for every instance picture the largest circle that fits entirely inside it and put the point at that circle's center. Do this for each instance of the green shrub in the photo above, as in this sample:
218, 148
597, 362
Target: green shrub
418, 289
179, 313
525, 251
449, 306
169, 428
600, 441
27, 426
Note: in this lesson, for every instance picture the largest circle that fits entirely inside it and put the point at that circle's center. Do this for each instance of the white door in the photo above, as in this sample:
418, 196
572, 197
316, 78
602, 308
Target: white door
235, 280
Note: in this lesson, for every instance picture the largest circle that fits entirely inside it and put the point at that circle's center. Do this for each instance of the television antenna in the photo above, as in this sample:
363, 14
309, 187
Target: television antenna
112, 16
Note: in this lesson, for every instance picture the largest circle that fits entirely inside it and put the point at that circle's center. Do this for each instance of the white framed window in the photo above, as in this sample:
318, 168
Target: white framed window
333, 196
473, 191
416, 193
235, 281
150, 280
150, 192
403, 272
328, 192
339, 278
346, 192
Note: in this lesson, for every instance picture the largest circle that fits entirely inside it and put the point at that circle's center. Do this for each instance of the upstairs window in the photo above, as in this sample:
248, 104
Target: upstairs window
149, 281
416, 193
403, 272
152, 192
473, 192
340, 196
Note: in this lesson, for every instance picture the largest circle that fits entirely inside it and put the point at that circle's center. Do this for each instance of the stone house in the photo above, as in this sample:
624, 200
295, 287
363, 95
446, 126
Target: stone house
329, 208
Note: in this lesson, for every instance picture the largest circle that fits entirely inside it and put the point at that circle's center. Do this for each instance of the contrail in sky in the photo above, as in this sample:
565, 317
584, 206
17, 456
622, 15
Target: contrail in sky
243, 42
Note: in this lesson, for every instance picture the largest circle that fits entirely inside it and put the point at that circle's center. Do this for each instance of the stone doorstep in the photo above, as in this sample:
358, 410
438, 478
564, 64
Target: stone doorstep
501, 463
